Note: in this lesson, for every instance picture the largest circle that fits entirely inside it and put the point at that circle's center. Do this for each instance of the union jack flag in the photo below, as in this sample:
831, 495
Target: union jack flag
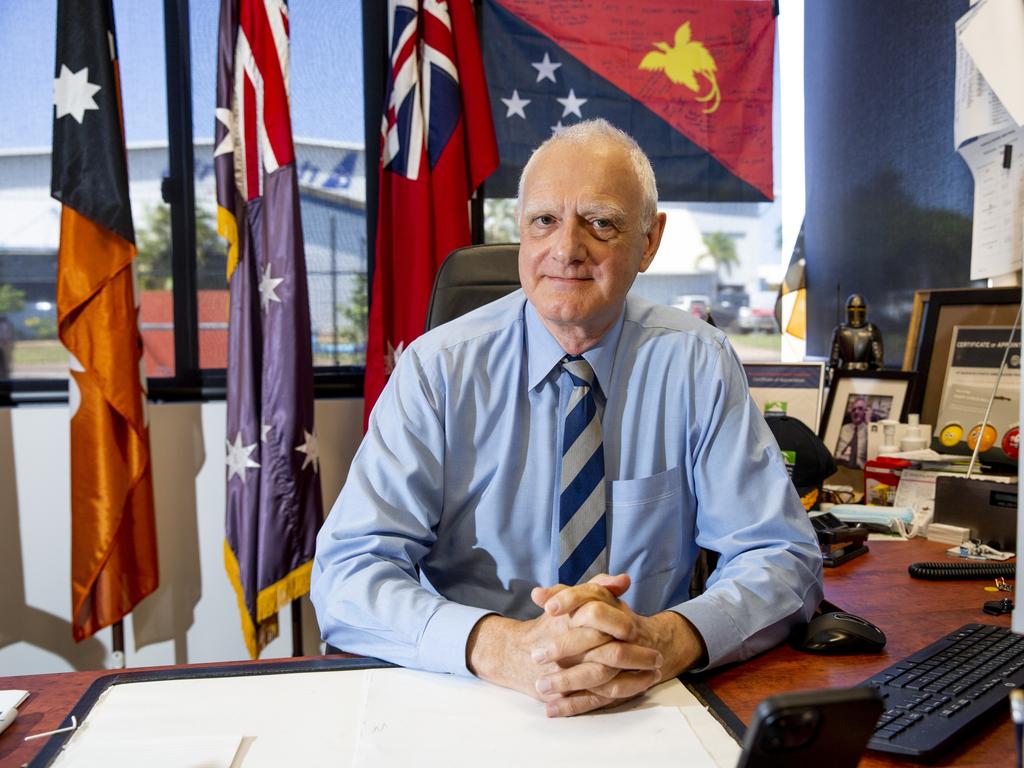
406, 122
437, 146
273, 488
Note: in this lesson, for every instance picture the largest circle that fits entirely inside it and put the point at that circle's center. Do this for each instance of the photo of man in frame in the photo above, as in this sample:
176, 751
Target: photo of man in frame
852, 446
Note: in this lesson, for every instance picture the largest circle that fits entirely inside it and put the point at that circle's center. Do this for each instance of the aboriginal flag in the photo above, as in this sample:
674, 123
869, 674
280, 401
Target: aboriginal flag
690, 81
113, 534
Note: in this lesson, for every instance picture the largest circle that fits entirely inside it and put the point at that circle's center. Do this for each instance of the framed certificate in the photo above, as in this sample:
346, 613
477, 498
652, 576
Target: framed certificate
790, 389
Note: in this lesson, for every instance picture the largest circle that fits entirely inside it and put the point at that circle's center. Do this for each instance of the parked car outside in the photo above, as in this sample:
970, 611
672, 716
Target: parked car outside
725, 309
697, 304
759, 317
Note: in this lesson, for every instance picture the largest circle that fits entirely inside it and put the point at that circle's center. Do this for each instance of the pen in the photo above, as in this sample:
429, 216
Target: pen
7, 717
1017, 712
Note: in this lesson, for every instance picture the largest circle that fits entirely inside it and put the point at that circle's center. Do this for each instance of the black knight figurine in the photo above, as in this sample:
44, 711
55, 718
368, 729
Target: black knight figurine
856, 344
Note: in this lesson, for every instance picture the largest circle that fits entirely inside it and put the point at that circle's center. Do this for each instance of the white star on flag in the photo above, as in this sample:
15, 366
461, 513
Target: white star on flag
73, 93
391, 358
557, 127
265, 432
227, 119
572, 104
266, 288
237, 457
515, 105
312, 450
546, 69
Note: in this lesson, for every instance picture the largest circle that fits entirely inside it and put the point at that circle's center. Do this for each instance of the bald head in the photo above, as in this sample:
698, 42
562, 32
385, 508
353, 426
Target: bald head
601, 133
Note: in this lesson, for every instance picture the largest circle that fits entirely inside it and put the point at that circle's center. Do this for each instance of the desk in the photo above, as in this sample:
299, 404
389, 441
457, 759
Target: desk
912, 613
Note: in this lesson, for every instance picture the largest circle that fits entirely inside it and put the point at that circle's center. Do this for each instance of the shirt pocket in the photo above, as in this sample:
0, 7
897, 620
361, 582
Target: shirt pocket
647, 523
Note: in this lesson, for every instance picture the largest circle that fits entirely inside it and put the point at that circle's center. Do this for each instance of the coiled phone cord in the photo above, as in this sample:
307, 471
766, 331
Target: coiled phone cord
952, 571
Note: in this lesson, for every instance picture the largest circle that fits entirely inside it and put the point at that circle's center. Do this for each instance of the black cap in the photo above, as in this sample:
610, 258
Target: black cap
808, 460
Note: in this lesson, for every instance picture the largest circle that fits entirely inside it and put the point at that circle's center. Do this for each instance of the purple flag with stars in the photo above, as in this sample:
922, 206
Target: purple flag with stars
274, 506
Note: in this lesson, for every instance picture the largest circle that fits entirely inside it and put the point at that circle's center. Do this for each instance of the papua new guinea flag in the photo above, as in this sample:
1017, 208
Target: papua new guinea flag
691, 81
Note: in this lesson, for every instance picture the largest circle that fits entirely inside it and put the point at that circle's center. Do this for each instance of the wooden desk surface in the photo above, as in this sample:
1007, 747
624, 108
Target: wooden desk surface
911, 612
876, 586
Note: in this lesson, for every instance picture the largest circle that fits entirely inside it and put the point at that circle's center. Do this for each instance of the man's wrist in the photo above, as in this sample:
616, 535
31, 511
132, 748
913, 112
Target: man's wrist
487, 647
679, 642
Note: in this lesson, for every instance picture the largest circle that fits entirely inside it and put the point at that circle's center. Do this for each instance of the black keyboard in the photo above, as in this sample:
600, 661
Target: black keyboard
934, 696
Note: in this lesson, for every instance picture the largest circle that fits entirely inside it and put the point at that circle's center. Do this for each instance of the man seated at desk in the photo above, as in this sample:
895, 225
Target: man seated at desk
523, 452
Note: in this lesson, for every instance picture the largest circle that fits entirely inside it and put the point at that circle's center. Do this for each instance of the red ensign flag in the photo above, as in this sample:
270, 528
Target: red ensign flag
437, 146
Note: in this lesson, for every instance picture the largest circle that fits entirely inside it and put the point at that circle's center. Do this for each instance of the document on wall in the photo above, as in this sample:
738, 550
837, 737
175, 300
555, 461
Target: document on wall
427, 720
996, 162
993, 35
977, 109
976, 383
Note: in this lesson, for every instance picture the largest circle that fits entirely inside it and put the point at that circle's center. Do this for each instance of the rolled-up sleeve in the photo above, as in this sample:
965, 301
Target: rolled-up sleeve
769, 574
365, 584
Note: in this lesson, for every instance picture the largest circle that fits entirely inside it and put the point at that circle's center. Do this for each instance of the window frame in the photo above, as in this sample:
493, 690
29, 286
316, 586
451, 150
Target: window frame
190, 382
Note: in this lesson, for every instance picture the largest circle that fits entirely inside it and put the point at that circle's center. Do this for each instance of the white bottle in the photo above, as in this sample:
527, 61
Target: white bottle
912, 439
888, 437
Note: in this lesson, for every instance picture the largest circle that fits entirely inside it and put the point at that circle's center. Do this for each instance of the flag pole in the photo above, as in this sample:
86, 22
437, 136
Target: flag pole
117, 660
297, 627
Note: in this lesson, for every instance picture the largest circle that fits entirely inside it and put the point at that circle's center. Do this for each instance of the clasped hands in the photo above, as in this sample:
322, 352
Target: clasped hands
587, 650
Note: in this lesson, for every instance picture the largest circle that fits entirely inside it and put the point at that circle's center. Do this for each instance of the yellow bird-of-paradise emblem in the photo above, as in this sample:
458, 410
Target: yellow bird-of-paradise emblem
683, 63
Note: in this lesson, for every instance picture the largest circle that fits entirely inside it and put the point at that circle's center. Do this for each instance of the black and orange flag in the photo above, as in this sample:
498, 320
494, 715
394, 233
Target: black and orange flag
113, 534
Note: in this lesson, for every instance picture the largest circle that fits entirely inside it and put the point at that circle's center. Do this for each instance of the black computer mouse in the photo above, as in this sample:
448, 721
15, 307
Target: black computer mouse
839, 632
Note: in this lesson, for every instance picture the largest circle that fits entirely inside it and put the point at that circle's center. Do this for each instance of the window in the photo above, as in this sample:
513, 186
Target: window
326, 77
184, 298
29, 217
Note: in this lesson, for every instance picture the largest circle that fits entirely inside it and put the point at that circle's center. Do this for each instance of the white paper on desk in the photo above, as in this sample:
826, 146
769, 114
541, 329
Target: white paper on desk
996, 242
424, 719
994, 37
977, 109
171, 751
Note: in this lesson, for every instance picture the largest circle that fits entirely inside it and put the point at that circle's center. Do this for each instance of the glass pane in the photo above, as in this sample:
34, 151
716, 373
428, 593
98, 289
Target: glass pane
30, 218
140, 36
724, 259
326, 77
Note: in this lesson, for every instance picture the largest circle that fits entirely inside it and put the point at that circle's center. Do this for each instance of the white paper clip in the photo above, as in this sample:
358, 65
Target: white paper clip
74, 724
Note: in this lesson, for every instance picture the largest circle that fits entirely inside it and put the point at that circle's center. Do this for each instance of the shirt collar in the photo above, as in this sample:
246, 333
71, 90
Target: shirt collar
544, 353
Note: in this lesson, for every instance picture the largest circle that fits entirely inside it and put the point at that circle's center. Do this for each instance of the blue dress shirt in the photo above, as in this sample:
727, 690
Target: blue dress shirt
449, 511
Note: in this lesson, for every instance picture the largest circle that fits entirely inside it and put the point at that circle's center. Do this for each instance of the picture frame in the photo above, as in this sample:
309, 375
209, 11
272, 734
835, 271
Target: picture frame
855, 399
791, 389
936, 313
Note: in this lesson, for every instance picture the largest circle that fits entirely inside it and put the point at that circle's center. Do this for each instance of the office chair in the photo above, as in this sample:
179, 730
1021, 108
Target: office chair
471, 277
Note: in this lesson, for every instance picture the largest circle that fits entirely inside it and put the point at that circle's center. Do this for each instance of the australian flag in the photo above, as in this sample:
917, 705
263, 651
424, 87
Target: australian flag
274, 506
690, 81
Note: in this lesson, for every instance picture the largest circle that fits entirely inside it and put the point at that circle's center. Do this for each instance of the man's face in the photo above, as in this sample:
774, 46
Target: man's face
581, 238
859, 412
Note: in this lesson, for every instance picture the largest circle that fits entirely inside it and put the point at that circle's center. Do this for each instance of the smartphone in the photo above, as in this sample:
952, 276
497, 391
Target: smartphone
817, 729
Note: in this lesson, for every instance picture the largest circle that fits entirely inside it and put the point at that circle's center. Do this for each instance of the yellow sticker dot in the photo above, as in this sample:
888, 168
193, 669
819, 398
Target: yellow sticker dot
951, 435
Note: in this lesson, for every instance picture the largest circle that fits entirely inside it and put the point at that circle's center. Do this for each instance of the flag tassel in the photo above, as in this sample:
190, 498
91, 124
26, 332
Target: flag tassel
269, 601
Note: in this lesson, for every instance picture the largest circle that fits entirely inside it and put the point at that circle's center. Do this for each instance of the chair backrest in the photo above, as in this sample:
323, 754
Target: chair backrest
471, 277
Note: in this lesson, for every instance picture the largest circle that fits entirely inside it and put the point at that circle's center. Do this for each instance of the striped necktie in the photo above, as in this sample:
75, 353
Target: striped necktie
583, 534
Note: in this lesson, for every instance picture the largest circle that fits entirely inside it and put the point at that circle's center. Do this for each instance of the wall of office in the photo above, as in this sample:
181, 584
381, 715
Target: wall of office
889, 201
193, 617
